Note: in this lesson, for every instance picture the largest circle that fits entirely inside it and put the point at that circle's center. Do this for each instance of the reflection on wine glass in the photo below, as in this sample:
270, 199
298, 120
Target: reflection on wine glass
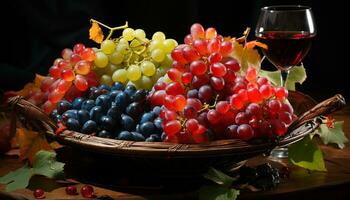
288, 32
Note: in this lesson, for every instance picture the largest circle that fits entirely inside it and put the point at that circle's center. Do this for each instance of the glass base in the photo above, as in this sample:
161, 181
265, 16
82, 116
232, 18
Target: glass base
279, 153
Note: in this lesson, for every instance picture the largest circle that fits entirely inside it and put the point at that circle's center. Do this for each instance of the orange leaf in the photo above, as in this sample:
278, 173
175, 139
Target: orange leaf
30, 142
254, 43
38, 79
96, 33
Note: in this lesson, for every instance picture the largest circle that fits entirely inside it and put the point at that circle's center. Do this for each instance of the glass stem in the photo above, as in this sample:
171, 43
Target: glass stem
284, 75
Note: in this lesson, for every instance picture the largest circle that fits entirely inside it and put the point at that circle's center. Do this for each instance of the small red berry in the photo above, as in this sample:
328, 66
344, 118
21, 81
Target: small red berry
39, 194
71, 190
87, 191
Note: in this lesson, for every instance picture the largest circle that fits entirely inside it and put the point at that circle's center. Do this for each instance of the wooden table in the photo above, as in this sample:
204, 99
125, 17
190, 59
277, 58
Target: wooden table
333, 184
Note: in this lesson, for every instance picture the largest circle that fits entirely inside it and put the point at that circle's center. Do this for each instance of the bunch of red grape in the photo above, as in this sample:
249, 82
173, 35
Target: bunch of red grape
208, 97
69, 76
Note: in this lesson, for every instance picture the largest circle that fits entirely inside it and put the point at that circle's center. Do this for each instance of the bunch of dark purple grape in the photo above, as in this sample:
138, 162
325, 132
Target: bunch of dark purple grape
112, 112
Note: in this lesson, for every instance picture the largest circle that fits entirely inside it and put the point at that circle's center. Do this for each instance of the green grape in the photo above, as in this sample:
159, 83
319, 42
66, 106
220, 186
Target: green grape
116, 57
134, 72
105, 79
128, 34
148, 68
169, 45
101, 60
158, 55
146, 82
108, 46
110, 69
123, 41
122, 48
134, 58
120, 76
136, 45
155, 44
158, 36
140, 34
168, 61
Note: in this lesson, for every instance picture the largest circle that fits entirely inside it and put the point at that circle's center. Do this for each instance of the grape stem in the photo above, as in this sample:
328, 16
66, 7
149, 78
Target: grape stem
111, 29
206, 106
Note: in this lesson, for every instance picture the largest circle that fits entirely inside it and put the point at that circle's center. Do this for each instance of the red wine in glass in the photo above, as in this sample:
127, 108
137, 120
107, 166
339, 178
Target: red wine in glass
288, 31
286, 48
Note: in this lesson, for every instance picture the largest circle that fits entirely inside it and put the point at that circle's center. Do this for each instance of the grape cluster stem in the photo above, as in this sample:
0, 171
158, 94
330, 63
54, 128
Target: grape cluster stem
111, 29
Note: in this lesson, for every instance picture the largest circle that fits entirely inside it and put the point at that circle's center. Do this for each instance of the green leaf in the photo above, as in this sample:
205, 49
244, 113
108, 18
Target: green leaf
306, 154
217, 193
219, 177
296, 74
273, 76
45, 164
17, 179
333, 135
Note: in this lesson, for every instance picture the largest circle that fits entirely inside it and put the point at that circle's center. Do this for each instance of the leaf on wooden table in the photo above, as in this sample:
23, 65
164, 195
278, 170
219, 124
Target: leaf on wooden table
30, 142
17, 179
219, 177
333, 135
217, 192
44, 164
306, 154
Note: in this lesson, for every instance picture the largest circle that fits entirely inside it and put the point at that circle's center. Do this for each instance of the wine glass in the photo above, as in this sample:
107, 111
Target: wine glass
288, 31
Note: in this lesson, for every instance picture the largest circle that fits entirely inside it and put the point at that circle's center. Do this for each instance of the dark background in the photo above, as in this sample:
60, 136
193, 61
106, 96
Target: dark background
33, 33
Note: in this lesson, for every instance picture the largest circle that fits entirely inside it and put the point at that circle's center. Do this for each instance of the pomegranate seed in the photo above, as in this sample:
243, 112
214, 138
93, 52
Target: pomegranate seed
87, 191
39, 194
71, 190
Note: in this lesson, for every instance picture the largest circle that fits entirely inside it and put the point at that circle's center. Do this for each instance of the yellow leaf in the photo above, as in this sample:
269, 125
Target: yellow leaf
30, 142
247, 57
96, 33
252, 44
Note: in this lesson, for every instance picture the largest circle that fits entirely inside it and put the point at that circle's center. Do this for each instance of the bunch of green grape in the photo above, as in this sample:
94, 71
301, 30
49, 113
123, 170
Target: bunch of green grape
134, 59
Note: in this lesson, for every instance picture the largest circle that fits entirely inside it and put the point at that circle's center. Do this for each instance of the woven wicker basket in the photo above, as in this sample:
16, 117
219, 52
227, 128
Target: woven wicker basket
117, 162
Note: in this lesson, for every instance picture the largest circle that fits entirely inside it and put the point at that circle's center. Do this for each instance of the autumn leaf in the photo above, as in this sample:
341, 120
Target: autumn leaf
252, 44
30, 142
246, 56
96, 33
29, 87
38, 80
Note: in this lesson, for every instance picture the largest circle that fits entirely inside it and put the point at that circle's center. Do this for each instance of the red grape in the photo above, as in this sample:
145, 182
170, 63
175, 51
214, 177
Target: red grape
172, 127
218, 69
198, 67
197, 31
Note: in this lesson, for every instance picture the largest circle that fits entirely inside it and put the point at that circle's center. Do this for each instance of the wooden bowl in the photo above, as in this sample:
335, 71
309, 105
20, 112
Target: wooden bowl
116, 162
